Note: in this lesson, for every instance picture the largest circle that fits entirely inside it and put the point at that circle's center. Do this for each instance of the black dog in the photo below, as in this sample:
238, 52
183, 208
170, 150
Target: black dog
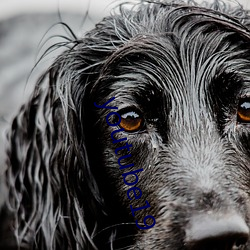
180, 75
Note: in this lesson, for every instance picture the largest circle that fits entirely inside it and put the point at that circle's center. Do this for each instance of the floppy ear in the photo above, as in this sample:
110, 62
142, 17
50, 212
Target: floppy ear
52, 191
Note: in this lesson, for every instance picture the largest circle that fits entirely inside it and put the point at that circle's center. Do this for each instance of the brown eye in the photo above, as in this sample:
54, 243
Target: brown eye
131, 121
243, 112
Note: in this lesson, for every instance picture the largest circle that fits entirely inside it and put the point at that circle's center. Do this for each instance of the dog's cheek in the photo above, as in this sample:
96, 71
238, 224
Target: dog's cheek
242, 141
140, 159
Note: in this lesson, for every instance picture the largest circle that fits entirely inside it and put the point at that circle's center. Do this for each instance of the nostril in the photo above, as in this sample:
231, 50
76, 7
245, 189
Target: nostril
217, 232
240, 242
223, 242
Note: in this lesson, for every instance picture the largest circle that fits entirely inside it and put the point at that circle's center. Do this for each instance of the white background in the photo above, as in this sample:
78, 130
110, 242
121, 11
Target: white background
97, 7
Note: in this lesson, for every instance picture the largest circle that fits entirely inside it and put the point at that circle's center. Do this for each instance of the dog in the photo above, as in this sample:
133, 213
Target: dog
179, 75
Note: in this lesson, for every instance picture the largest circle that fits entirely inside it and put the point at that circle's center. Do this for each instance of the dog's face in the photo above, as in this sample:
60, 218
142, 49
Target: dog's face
183, 92
181, 80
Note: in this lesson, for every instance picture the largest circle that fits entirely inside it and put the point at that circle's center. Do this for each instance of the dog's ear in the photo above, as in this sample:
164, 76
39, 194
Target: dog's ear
51, 186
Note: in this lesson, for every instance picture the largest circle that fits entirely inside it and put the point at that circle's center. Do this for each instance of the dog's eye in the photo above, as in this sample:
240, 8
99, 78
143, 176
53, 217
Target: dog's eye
243, 113
131, 121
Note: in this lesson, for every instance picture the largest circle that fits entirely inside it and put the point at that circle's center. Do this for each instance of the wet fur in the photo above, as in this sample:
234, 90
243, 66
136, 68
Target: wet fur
185, 68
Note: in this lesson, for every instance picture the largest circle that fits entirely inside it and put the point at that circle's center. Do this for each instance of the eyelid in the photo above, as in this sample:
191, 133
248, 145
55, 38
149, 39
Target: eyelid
125, 108
244, 94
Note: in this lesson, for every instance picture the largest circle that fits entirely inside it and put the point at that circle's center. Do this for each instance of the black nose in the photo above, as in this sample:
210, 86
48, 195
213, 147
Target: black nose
217, 232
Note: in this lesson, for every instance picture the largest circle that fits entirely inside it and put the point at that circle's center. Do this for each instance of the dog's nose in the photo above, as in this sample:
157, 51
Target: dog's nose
217, 232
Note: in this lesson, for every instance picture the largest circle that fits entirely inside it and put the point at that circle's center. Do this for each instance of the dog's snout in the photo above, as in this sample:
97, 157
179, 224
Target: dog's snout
223, 232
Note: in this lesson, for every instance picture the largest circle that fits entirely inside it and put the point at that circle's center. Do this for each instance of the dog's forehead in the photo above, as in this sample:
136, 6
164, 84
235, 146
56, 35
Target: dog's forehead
180, 59
186, 67
187, 56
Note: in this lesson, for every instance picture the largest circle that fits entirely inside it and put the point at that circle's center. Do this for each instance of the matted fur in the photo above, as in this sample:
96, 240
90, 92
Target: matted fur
184, 67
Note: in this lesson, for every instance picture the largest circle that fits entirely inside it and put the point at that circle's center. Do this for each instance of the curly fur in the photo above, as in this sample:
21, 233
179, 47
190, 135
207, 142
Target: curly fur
184, 66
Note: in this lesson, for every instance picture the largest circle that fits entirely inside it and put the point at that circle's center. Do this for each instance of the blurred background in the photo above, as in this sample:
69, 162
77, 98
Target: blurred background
25, 29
